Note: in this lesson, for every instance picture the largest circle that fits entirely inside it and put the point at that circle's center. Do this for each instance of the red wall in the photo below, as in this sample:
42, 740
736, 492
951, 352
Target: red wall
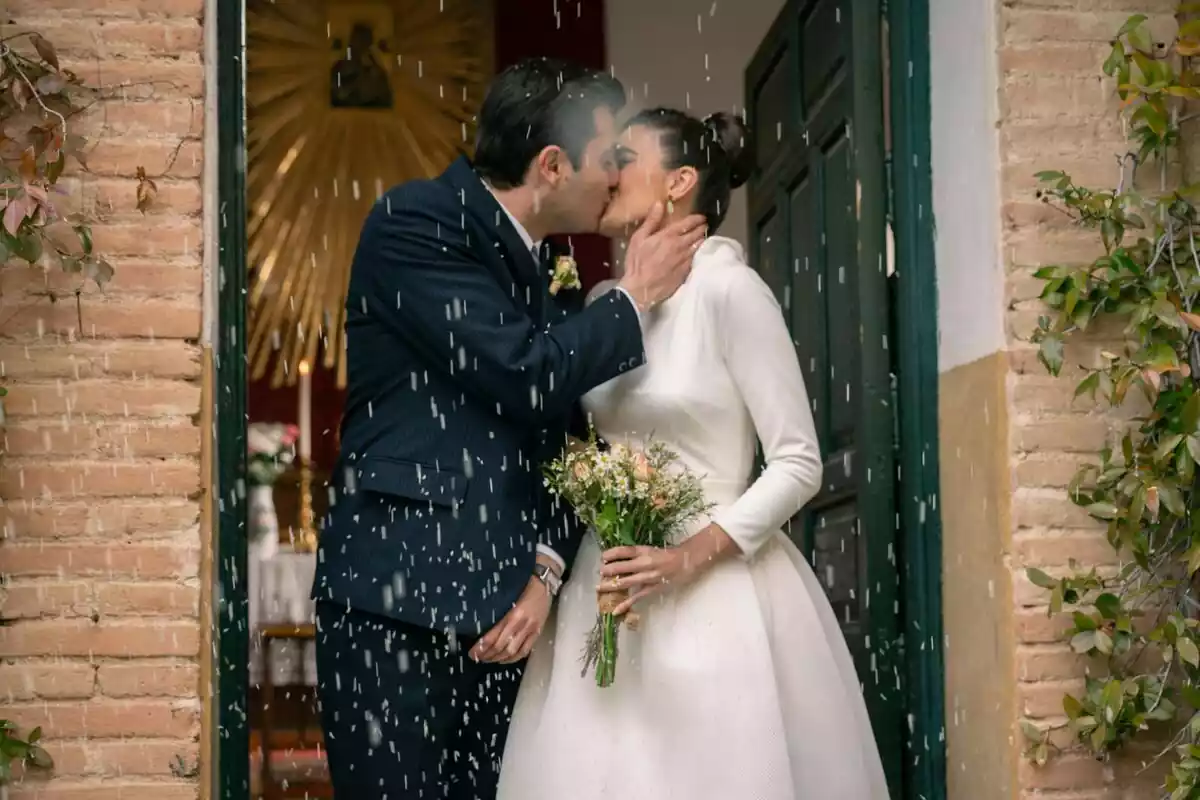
525, 28
265, 404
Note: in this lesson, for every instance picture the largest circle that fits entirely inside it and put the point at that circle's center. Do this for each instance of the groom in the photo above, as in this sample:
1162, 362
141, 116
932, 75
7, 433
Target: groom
440, 557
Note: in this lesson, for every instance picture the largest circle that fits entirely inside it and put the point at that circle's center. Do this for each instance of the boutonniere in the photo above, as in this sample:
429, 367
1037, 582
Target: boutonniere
565, 276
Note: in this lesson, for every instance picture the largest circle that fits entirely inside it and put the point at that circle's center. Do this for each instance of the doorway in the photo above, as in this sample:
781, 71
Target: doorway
308, 93
843, 172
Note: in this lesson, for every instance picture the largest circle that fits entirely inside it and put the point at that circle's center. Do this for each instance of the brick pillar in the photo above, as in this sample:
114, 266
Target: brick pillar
100, 474
1057, 111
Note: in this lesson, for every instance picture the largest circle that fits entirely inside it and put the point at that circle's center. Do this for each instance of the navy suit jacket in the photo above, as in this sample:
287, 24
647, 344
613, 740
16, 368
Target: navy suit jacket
464, 375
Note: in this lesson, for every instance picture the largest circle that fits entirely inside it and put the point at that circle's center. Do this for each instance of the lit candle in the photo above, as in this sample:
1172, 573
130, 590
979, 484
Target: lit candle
305, 422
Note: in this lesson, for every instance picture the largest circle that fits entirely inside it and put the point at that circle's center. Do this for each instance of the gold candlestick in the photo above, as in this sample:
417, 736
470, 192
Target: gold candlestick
306, 542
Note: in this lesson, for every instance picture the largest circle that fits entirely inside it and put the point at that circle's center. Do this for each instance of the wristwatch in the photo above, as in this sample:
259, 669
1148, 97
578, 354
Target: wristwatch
548, 577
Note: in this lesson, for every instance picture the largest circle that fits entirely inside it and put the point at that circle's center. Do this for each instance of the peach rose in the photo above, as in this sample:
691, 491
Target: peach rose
641, 467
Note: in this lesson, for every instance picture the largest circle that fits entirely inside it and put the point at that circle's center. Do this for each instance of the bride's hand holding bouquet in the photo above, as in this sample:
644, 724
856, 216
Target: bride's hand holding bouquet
631, 574
636, 504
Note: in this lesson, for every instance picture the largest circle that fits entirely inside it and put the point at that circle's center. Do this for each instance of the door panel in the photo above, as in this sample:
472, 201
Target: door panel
818, 207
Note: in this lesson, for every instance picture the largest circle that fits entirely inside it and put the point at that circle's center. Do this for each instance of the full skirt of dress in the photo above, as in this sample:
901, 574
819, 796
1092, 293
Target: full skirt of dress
739, 686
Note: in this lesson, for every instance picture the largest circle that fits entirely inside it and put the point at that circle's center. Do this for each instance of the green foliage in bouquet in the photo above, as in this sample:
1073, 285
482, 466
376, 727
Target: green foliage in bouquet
628, 498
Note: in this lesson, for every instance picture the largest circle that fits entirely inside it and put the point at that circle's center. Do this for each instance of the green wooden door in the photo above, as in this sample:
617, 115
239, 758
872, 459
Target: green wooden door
818, 220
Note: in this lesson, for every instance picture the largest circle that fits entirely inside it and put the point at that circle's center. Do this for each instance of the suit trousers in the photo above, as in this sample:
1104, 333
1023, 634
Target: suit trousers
406, 713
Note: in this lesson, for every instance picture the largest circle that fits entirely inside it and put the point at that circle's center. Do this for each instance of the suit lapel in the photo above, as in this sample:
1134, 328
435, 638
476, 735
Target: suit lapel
479, 203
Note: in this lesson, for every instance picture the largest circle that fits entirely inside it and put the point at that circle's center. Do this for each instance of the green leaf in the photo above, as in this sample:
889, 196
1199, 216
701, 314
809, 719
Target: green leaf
1050, 352
85, 237
1088, 386
1102, 510
1189, 417
40, 758
1193, 448
1109, 605
1137, 504
1057, 598
1039, 578
1190, 29
1140, 38
1083, 642
1193, 559
1115, 59
1131, 23
98, 270
55, 168
1070, 300
1171, 499
1051, 273
1166, 311
1110, 233
1160, 356
1167, 446
1188, 652
28, 247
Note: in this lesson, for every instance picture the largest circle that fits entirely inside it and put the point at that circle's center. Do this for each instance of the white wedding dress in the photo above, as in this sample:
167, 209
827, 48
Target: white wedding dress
738, 686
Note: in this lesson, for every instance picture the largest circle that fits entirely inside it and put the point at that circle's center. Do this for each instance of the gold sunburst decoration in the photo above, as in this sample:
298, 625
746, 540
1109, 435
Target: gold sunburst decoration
344, 100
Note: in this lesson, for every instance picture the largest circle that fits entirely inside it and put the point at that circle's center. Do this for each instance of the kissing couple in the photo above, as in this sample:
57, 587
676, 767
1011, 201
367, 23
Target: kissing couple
453, 591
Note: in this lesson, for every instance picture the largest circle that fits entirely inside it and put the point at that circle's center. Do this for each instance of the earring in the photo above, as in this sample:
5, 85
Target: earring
670, 206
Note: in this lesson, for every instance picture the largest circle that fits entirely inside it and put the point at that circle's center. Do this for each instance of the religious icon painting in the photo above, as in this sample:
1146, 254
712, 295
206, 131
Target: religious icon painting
343, 101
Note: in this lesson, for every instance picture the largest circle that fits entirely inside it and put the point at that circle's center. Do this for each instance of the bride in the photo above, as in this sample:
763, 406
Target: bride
737, 684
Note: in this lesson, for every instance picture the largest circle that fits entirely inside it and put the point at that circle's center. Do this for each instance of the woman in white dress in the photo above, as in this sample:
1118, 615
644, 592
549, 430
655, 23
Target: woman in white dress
737, 684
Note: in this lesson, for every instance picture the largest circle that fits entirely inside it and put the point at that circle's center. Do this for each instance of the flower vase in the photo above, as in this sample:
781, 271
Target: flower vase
263, 522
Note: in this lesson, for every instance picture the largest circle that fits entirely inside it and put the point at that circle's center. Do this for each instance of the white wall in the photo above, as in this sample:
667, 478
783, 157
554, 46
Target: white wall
689, 54
966, 175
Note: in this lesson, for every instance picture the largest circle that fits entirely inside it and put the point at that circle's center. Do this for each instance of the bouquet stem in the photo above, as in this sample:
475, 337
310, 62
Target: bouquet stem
606, 663
600, 651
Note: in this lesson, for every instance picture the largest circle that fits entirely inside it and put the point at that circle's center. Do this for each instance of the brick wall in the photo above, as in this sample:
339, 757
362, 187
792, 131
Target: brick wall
1056, 112
100, 474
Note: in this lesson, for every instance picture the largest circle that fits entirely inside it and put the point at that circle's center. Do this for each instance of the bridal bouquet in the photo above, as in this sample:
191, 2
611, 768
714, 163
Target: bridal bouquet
628, 498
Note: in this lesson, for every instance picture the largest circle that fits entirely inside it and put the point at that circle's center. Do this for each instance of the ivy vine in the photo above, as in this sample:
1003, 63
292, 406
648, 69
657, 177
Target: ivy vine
1143, 622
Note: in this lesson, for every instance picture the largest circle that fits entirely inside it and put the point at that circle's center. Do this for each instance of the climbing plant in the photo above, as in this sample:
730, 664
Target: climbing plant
38, 101
16, 750
1142, 620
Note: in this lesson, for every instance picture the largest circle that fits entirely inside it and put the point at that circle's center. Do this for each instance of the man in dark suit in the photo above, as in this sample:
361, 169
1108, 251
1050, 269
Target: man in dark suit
441, 554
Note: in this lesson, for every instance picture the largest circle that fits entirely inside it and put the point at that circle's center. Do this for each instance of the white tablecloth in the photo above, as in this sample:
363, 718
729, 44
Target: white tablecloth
279, 584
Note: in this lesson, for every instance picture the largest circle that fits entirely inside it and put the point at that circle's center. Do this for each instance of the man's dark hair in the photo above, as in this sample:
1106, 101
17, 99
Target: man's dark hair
535, 104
